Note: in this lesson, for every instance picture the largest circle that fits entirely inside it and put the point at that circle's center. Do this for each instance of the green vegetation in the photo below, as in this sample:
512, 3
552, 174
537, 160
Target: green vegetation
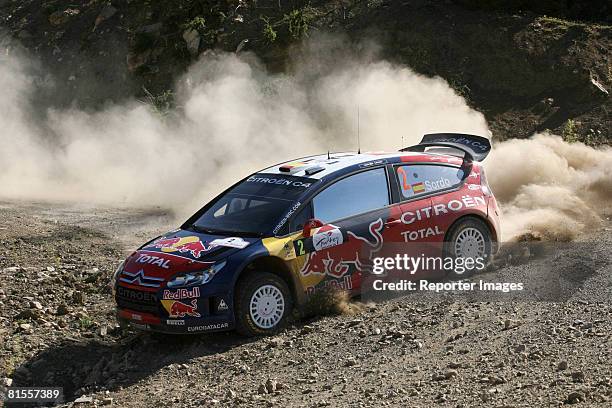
86, 323
594, 138
590, 137
197, 23
291, 27
268, 31
569, 132
522, 49
297, 23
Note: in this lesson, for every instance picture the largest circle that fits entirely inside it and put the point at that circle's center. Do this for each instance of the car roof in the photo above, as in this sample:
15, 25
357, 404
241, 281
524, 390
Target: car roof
320, 166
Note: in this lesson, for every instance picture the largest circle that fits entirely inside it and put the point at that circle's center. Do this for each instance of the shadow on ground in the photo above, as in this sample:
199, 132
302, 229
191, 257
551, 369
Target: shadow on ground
84, 366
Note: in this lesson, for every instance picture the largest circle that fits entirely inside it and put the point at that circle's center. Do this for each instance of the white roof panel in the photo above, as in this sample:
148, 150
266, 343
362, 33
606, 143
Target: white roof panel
335, 162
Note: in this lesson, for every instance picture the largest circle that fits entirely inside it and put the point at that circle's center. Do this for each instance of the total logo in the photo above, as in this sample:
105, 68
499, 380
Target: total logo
154, 260
421, 233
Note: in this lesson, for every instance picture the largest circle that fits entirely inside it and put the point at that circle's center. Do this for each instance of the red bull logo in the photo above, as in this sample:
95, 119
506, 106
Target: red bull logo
180, 309
336, 262
344, 284
191, 245
181, 293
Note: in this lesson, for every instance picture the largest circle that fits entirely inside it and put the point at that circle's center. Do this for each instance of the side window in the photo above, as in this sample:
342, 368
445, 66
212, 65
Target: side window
352, 195
418, 179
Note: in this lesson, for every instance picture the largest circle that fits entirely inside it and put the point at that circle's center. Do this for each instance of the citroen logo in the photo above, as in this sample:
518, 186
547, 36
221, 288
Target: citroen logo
139, 278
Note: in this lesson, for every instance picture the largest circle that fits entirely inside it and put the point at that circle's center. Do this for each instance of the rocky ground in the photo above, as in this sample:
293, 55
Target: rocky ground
551, 346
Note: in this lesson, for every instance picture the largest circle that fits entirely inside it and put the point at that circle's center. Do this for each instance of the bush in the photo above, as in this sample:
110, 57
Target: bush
197, 23
268, 31
569, 131
297, 24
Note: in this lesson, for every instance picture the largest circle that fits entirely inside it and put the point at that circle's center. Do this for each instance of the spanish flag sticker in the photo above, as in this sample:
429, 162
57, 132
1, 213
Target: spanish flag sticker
418, 187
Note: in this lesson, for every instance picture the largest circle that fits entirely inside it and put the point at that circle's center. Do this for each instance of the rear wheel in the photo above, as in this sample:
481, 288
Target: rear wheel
470, 238
263, 304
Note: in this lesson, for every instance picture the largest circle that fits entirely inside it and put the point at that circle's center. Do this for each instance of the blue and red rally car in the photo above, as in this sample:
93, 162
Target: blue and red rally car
266, 244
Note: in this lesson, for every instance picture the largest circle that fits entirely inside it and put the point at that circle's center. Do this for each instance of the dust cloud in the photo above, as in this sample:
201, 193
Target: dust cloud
332, 301
234, 117
550, 189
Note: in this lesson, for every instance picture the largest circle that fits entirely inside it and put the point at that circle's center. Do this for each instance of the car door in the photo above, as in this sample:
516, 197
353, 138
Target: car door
406, 229
417, 184
425, 188
354, 210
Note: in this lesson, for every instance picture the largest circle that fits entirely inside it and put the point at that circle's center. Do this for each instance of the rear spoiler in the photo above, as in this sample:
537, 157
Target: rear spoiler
476, 148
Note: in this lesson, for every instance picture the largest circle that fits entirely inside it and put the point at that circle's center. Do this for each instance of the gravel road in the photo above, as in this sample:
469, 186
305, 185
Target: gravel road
548, 346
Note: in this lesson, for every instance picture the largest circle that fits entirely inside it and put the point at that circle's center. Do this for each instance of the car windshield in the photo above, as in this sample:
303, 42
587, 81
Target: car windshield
254, 206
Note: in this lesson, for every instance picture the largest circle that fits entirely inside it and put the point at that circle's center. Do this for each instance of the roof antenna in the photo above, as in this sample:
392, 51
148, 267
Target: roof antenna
402, 146
358, 140
328, 155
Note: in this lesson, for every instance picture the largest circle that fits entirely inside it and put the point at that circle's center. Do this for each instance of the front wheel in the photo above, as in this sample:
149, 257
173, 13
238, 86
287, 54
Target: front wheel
469, 239
263, 304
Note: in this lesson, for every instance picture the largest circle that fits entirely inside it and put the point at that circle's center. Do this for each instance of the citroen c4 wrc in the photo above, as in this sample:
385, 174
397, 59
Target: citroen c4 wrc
263, 247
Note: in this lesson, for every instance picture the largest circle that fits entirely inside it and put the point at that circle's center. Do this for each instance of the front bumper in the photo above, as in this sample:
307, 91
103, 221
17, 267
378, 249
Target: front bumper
198, 310
148, 322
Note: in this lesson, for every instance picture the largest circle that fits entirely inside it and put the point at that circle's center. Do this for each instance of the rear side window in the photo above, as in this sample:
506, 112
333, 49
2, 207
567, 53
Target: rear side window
418, 179
352, 195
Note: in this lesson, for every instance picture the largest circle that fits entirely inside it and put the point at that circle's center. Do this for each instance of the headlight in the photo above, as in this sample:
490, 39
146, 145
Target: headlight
114, 278
196, 278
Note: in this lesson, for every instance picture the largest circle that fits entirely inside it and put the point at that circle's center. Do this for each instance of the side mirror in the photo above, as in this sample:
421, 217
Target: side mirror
310, 225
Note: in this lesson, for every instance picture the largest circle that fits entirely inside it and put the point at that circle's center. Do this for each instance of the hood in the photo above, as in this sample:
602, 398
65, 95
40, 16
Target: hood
197, 246
178, 251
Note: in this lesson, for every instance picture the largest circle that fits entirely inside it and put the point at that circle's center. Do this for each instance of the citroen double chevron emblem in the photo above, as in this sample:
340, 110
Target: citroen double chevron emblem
139, 278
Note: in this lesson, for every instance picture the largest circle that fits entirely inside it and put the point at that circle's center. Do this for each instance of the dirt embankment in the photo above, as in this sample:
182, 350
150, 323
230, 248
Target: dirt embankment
525, 70
57, 329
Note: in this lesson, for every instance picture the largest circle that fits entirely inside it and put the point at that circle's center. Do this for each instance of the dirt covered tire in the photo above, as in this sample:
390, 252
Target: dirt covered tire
469, 238
263, 304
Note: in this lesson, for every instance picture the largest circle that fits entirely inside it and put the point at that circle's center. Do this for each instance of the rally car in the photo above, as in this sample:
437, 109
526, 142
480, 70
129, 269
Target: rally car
261, 248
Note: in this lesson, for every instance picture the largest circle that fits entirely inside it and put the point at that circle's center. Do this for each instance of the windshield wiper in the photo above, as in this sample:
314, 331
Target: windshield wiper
224, 232
248, 234
207, 230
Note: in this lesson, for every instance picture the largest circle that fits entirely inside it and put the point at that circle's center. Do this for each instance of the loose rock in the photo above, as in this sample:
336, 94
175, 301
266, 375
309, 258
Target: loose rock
192, 38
